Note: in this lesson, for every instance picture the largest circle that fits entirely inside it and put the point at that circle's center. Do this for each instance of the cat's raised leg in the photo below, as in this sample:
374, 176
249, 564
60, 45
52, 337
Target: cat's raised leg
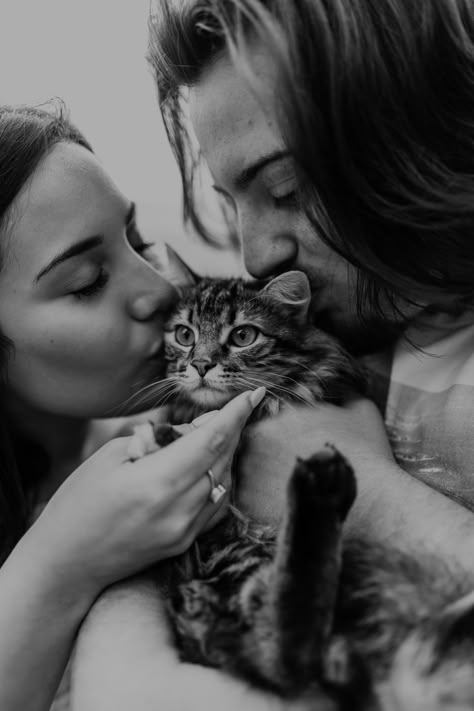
148, 437
294, 619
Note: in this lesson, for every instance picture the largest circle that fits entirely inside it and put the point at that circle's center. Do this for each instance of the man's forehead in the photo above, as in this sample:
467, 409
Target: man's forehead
231, 122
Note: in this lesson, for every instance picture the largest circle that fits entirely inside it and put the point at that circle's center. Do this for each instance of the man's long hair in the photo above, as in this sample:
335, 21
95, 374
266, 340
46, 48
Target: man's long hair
377, 107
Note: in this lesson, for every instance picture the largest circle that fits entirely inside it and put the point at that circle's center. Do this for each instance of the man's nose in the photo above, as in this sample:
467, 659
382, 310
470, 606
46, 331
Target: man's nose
267, 252
157, 298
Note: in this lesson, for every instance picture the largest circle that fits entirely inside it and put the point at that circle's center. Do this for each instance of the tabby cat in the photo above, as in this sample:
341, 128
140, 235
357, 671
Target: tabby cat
227, 336
343, 624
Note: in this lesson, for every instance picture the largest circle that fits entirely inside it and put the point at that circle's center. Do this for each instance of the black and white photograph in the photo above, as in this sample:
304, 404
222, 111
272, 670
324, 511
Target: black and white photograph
237, 355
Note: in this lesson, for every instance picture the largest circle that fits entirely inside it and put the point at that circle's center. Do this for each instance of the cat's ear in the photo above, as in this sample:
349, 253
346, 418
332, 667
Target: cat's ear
291, 289
178, 272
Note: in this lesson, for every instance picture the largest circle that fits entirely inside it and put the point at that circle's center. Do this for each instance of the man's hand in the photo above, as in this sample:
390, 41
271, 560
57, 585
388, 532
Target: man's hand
269, 448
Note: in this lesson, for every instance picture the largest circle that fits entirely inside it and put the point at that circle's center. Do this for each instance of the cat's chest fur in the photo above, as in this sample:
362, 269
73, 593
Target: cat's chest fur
301, 611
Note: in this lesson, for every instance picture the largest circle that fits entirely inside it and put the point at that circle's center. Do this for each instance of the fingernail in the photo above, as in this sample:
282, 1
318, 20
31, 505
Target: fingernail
204, 418
257, 396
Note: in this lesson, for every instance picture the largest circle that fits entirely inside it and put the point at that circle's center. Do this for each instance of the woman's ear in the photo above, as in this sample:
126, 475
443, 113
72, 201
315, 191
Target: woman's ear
292, 290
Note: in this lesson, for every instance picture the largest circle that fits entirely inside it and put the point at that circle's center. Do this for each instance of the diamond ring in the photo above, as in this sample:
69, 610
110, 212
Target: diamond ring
217, 490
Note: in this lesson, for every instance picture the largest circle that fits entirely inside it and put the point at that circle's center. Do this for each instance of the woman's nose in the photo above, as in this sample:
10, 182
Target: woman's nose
154, 299
268, 249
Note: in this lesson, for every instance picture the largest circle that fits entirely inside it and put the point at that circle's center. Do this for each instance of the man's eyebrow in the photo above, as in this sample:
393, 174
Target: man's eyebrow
244, 179
73, 251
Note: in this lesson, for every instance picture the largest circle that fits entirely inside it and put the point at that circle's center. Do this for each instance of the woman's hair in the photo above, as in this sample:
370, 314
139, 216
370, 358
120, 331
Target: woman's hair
377, 107
27, 134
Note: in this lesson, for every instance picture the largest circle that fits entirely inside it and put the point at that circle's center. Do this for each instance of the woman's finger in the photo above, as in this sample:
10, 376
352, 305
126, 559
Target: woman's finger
190, 456
198, 511
206, 512
204, 418
200, 501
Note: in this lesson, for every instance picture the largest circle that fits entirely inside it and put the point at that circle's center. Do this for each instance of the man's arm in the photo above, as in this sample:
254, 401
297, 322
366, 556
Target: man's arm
391, 506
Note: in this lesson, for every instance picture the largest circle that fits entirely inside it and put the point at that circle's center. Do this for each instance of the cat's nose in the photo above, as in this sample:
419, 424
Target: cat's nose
202, 366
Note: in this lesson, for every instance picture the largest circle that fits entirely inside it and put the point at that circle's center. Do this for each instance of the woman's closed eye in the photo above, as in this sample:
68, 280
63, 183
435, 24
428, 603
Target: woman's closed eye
93, 286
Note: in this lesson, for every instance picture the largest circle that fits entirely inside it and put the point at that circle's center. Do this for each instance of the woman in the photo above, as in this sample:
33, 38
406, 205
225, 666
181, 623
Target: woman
81, 316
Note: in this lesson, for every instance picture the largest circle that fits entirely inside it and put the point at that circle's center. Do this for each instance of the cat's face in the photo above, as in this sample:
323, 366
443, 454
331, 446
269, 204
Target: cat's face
228, 336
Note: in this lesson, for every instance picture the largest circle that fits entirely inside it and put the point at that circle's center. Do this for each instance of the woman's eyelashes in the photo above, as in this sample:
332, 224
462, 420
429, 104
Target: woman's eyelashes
94, 287
136, 241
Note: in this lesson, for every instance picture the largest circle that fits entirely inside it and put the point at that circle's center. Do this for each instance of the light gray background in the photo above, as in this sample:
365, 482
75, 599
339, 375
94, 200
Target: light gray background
91, 53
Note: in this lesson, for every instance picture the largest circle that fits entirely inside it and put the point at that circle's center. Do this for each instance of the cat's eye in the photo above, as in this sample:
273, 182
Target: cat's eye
184, 336
243, 336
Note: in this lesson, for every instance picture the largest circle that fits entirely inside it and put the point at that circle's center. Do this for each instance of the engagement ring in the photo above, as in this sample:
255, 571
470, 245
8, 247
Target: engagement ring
217, 490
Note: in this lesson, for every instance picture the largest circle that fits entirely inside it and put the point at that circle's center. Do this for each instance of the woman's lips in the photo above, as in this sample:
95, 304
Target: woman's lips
156, 351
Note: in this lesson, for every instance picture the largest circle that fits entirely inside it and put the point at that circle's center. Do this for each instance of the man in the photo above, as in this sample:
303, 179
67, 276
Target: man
342, 136
319, 149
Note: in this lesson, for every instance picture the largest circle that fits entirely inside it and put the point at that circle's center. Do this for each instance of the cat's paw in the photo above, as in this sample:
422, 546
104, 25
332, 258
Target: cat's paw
346, 674
327, 479
189, 600
142, 441
337, 663
165, 434
148, 437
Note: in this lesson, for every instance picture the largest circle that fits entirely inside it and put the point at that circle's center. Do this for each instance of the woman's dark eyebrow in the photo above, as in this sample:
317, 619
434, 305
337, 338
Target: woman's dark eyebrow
244, 179
84, 246
73, 251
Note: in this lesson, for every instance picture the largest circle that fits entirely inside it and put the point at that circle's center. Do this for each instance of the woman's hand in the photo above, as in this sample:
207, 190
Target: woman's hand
113, 517
269, 448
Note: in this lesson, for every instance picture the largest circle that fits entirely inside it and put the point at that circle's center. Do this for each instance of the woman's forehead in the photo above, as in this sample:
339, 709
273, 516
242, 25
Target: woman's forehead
68, 196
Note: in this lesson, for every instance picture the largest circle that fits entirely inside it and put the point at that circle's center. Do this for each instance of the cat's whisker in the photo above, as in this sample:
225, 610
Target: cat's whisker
298, 383
273, 389
143, 395
157, 392
300, 365
285, 377
163, 395
305, 367
167, 397
272, 386
154, 384
320, 380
